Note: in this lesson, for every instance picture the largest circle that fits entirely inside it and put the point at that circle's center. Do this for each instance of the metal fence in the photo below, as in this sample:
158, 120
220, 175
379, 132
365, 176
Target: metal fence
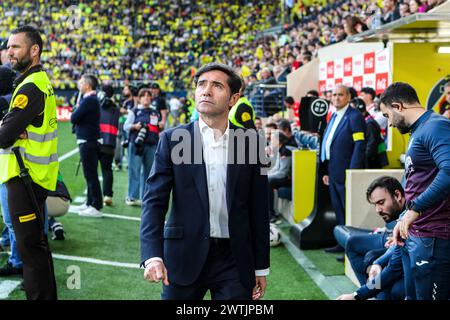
266, 99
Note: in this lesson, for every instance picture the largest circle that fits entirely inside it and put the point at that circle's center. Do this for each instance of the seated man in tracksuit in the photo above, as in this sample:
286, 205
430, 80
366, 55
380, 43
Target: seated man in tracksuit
388, 196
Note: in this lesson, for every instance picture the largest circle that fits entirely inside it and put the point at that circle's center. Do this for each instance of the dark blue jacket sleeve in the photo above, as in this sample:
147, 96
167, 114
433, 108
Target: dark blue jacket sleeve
438, 143
386, 279
156, 202
358, 127
79, 112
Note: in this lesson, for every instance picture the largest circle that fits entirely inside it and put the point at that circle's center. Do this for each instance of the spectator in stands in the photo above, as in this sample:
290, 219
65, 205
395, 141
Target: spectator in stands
4, 60
175, 107
159, 103
289, 104
109, 128
444, 108
425, 225
376, 157
258, 124
285, 128
404, 9
414, 6
342, 148
269, 129
280, 174
306, 57
368, 94
312, 93
353, 25
143, 123
390, 11
86, 121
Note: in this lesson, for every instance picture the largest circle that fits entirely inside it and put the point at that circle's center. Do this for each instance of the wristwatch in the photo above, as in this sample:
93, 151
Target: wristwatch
411, 205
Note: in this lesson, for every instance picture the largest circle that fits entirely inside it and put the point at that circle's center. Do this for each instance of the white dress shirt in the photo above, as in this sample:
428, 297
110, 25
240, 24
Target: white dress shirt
339, 116
215, 155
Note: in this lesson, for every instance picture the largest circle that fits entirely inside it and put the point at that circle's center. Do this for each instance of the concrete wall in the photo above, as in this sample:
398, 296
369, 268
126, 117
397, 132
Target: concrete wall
303, 79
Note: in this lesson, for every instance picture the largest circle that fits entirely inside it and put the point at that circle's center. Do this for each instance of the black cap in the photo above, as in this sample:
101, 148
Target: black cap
154, 85
3, 44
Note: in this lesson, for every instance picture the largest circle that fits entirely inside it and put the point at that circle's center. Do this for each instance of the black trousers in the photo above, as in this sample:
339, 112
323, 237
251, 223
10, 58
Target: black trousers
106, 160
89, 154
32, 243
219, 275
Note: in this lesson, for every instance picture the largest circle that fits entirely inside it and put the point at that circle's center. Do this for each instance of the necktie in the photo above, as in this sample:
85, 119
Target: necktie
325, 137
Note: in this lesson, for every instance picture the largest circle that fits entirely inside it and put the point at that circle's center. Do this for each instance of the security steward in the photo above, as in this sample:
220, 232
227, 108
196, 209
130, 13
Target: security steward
31, 126
242, 113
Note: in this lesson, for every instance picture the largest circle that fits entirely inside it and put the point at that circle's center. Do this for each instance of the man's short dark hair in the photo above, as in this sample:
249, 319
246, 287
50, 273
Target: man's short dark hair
289, 100
389, 183
257, 118
284, 124
32, 35
91, 80
369, 90
399, 92
314, 93
108, 90
271, 125
234, 81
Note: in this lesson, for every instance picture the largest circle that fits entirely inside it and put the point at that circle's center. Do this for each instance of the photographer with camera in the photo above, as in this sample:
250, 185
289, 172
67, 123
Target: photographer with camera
142, 126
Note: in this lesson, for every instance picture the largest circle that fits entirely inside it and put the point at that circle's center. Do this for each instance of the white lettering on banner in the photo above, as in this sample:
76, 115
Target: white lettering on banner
358, 65
338, 68
63, 113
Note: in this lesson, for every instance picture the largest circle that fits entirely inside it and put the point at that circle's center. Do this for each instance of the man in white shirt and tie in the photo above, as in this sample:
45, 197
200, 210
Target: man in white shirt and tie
343, 148
217, 235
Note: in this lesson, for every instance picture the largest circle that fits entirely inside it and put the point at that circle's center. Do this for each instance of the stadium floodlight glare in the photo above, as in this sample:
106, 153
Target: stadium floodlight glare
444, 49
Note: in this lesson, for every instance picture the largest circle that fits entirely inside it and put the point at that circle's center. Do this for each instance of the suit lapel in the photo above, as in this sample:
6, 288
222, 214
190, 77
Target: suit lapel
341, 124
198, 168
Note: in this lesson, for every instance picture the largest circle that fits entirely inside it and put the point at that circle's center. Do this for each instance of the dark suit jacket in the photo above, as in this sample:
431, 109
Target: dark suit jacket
183, 242
347, 149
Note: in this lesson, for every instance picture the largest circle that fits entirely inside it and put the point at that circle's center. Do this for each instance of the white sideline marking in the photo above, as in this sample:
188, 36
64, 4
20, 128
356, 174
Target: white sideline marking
68, 154
76, 209
6, 287
96, 261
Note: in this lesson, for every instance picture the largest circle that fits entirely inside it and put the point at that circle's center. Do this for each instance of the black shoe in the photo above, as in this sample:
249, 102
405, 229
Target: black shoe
9, 270
340, 259
335, 249
58, 231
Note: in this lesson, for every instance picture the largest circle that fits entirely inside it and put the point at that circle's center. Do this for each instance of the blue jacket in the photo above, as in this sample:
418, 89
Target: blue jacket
183, 241
86, 119
347, 150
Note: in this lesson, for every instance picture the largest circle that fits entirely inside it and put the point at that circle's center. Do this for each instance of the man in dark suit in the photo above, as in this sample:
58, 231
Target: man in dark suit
217, 235
342, 148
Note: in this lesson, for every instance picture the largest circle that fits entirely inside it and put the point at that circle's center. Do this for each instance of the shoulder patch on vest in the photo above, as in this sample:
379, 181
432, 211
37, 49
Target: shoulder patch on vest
20, 101
246, 116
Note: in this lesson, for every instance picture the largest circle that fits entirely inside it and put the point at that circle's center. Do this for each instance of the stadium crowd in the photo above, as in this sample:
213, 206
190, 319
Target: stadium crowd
165, 41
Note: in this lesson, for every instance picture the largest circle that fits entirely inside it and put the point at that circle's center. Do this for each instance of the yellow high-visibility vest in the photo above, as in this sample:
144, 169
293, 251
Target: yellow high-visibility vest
39, 150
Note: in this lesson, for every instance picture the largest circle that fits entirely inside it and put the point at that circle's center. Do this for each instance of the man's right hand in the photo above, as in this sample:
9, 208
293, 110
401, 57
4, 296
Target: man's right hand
156, 271
326, 180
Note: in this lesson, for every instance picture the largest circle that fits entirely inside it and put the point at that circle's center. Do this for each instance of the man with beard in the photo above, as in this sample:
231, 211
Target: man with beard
425, 227
31, 126
387, 194
385, 273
